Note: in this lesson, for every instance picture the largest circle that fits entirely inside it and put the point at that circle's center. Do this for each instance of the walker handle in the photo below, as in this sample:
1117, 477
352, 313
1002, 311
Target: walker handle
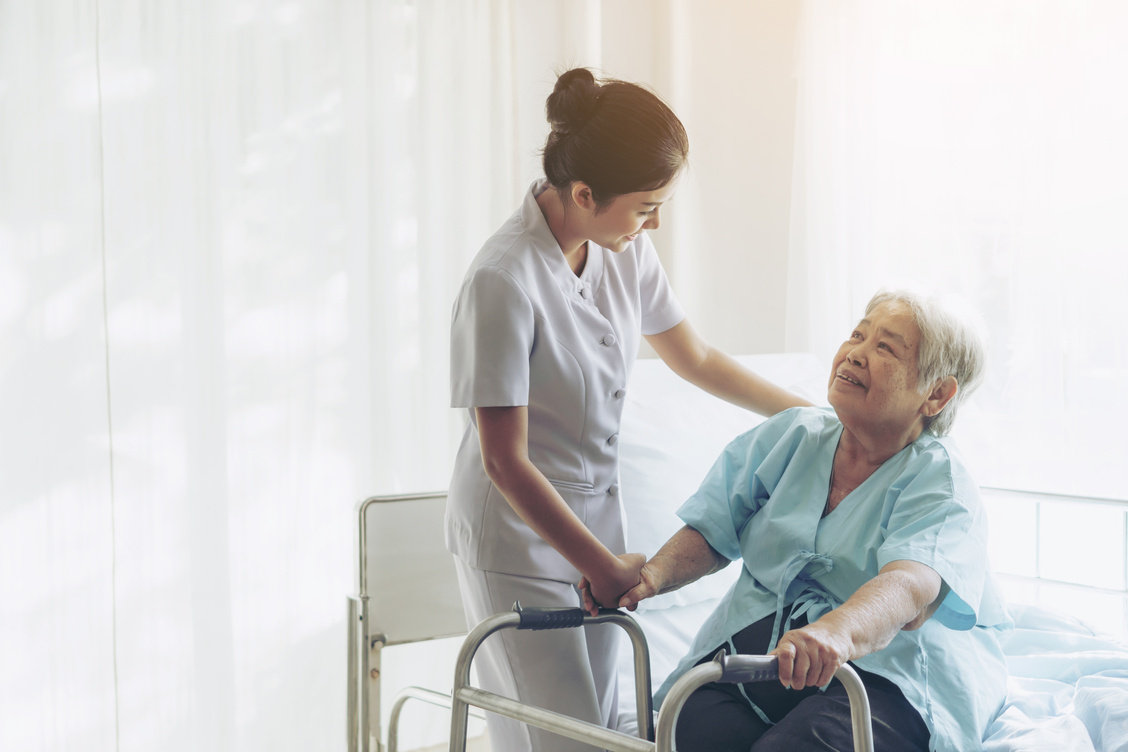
745, 668
549, 618
740, 669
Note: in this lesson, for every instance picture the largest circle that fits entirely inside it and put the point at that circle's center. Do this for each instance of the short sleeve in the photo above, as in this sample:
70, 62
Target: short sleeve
491, 337
660, 307
937, 521
733, 490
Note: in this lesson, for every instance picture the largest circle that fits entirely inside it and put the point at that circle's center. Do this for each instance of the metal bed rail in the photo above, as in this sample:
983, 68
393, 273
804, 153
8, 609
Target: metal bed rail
395, 533
429, 696
723, 668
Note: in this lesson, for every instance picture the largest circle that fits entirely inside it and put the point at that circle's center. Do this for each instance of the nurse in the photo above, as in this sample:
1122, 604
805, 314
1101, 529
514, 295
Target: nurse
544, 334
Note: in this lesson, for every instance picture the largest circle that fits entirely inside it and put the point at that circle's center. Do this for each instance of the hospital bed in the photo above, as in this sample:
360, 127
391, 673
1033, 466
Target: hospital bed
1068, 689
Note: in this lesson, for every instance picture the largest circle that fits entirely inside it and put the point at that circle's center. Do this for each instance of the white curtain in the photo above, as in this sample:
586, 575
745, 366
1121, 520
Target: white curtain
225, 270
230, 235
977, 149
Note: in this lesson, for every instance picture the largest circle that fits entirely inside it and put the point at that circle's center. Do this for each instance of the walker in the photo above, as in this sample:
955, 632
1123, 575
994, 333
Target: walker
723, 668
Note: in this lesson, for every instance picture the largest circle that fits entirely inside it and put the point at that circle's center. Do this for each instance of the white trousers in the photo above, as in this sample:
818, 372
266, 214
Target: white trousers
569, 671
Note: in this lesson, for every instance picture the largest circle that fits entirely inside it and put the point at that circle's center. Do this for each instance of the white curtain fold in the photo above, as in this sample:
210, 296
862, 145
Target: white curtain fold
57, 632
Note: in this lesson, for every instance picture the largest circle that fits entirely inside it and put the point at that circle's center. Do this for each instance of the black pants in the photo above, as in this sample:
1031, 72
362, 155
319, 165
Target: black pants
717, 718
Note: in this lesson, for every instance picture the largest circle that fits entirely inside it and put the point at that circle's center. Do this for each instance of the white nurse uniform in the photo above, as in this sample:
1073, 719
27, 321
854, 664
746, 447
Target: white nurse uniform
527, 331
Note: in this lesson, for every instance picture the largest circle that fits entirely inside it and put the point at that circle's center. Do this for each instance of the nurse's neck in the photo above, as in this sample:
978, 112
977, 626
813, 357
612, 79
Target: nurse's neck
566, 228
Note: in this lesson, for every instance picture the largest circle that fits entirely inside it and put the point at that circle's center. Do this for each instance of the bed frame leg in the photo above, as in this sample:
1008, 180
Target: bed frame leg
352, 730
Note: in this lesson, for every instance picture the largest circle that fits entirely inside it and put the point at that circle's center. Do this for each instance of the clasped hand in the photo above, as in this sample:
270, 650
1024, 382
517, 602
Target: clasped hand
607, 588
634, 580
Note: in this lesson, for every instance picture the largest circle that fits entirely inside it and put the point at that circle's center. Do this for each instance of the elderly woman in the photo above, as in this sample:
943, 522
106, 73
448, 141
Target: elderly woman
863, 540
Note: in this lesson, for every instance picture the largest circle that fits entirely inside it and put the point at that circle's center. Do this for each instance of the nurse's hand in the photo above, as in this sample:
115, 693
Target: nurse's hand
809, 656
589, 603
606, 588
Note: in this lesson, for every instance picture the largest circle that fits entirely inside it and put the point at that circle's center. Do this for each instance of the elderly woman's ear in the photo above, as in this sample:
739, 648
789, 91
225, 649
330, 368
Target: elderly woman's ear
940, 396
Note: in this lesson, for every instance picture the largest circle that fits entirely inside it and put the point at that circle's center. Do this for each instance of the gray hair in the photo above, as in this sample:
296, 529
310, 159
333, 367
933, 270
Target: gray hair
950, 345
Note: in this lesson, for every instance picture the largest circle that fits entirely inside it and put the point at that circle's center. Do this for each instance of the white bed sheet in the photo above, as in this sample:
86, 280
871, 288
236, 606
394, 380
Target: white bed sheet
1068, 688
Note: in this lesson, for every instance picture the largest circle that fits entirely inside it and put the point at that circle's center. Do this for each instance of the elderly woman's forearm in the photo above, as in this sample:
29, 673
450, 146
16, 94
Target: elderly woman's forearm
685, 558
902, 596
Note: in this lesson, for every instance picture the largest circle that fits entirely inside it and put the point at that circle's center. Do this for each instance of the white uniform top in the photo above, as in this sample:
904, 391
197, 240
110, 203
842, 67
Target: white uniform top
526, 330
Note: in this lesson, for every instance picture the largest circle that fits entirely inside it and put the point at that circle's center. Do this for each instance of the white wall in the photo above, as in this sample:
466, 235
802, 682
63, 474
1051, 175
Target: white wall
728, 70
735, 87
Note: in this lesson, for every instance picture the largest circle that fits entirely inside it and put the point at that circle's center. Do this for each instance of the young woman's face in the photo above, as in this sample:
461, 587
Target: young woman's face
618, 224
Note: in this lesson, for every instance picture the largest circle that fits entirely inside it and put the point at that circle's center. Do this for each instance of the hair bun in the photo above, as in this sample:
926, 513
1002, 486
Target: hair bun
572, 101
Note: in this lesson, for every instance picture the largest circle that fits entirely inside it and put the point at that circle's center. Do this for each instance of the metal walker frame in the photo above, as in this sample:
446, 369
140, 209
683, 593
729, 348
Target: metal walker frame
723, 668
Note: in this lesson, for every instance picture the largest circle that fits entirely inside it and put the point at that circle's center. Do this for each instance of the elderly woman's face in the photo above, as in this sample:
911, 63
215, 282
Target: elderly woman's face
874, 378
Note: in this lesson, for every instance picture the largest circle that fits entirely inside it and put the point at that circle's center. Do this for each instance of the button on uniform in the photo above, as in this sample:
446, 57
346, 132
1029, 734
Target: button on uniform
608, 340
613, 439
620, 393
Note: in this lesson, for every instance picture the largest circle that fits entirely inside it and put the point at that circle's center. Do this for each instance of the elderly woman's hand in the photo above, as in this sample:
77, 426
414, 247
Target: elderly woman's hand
684, 558
650, 583
904, 595
809, 656
609, 588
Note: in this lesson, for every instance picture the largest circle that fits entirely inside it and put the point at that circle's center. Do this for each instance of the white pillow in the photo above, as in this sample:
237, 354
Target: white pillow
672, 432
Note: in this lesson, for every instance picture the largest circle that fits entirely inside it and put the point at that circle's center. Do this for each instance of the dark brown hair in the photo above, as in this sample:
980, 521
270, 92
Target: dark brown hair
616, 137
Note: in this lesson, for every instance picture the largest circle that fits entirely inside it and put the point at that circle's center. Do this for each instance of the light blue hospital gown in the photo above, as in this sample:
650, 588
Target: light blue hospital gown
762, 502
